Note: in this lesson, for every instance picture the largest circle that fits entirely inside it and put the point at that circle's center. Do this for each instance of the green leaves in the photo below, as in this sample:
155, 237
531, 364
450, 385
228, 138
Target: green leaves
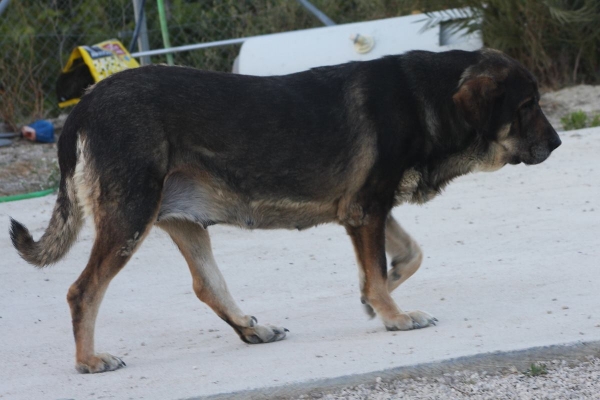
536, 370
579, 120
559, 40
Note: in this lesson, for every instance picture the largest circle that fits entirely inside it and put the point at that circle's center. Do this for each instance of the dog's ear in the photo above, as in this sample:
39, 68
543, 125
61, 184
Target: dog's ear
475, 99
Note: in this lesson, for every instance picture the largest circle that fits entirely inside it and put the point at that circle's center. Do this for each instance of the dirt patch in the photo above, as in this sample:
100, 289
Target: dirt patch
28, 167
557, 104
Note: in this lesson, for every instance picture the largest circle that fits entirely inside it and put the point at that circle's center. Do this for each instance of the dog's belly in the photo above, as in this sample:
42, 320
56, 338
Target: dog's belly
206, 202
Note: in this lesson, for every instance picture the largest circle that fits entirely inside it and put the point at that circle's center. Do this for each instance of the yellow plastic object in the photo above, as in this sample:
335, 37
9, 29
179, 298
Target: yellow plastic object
102, 59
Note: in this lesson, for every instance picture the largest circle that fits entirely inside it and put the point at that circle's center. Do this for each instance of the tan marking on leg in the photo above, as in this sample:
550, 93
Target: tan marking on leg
405, 253
209, 285
85, 295
85, 180
369, 245
364, 155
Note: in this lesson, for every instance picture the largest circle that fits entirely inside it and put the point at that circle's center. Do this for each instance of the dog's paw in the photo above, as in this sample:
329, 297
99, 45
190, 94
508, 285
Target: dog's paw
422, 318
409, 321
263, 334
99, 363
402, 322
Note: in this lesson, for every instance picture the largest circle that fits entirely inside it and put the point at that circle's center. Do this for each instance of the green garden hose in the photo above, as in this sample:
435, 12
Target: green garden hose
25, 196
163, 28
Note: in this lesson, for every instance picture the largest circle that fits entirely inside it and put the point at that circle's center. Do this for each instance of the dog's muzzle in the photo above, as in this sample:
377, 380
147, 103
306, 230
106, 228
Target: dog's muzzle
539, 152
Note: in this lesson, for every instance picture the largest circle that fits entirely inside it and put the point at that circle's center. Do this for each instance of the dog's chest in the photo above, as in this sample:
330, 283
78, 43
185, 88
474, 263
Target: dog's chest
413, 189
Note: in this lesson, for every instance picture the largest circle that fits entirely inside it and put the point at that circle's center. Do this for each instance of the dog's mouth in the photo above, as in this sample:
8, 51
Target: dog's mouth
537, 154
533, 162
514, 160
534, 155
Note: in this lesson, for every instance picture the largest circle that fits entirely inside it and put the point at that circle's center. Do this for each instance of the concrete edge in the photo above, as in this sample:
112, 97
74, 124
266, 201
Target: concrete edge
494, 362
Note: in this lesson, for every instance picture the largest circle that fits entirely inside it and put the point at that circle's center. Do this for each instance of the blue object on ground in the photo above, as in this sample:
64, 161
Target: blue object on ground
44, 131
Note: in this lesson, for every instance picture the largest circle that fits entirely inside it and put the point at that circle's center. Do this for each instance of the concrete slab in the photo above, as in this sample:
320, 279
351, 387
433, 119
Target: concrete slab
511, 262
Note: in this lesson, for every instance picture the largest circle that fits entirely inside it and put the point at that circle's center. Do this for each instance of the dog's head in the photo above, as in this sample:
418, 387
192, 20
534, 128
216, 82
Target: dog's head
499, 98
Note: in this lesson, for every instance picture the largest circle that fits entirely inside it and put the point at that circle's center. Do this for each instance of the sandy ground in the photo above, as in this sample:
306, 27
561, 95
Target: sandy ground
576, 98
511, 262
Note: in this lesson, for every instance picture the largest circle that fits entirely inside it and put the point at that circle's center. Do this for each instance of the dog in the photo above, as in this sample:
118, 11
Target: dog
185, 149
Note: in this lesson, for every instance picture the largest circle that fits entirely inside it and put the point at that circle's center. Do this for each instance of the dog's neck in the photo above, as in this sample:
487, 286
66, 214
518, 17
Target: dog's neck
445, 162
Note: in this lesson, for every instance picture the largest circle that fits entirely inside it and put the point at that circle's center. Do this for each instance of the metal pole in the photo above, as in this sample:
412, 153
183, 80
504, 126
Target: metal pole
192, 47
143, 43
168, 50
217, 43
3, 5
164, 30
317, 13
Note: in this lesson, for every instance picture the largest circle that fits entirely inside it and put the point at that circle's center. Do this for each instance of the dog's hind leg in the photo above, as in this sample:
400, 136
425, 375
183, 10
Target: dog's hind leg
124, 211
210, 287
117, 237
405, 253
369, 245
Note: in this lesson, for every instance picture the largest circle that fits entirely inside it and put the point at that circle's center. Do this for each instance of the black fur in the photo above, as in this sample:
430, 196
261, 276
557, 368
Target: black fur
19, 235
276, 136
72, 84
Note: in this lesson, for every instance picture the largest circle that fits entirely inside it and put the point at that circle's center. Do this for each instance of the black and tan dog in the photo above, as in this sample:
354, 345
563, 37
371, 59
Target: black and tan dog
185, 149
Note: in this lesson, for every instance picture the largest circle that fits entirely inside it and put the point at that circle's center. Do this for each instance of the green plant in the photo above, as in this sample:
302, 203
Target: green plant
574, 120
558, 40
596, 121
536, 370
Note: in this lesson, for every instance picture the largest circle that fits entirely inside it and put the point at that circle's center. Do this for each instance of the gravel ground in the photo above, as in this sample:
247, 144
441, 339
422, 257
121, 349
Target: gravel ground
556, 380
28, 167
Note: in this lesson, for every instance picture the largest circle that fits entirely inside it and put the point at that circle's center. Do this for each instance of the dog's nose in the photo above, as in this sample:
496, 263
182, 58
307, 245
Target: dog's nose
554, 142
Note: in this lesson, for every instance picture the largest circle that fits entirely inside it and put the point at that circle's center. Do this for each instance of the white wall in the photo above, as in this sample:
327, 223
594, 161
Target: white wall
289, 52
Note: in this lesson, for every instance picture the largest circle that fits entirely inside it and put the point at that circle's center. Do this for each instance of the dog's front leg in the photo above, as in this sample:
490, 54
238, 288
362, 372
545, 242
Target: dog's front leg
405, 253
369, 245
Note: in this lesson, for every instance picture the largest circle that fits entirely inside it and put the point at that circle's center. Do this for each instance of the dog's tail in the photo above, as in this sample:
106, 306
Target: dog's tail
67, 217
